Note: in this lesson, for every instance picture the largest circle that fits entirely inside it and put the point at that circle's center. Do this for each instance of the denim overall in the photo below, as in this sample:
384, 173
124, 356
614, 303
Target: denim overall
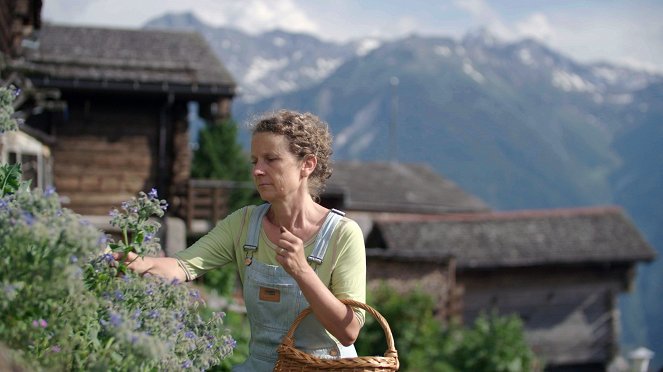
273, 301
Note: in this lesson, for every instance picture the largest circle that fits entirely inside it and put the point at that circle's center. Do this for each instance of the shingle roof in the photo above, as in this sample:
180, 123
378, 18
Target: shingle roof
397, 187
113, 56
525, 238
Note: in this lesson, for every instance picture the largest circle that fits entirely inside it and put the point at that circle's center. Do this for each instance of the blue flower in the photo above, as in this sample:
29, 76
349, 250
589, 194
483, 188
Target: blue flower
103, 239
153, 193
108, 258
115, 320
119, 295
187, 364
50, 190
73, 259
153, 314
231, 342
189, 334
29, 218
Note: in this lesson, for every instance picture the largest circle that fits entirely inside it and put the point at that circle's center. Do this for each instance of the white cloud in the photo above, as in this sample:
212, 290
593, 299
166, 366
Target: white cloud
252, 16
485, 16
535, 26
627, 37
255, 16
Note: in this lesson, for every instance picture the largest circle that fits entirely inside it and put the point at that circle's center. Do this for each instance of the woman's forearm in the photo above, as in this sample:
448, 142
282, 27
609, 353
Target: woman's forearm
338, 318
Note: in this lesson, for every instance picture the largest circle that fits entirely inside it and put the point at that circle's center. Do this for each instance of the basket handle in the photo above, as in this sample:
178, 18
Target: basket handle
289, 339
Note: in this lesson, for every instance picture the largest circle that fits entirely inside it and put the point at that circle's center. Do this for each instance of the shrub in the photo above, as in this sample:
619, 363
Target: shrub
492, 343
67, 305
495, 343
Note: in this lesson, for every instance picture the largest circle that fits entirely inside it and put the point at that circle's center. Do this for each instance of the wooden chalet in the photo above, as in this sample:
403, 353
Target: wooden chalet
370, 192
124, 98
560, 271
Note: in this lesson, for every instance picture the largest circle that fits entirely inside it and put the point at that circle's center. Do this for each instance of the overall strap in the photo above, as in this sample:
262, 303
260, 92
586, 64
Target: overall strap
322, 240
253, 233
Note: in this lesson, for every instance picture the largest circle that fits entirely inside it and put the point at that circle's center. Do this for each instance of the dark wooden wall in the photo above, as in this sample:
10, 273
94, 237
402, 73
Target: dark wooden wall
110, 147
434, 278
569, 314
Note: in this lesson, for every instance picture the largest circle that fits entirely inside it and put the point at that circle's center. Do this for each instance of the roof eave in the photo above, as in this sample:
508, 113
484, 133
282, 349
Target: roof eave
406, 208
605, 262
198, 90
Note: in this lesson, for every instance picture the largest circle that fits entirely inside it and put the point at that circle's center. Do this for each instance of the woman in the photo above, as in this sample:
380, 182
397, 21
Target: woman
290, 252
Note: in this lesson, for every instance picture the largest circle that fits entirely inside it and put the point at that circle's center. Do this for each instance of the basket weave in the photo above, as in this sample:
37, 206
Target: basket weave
290, 359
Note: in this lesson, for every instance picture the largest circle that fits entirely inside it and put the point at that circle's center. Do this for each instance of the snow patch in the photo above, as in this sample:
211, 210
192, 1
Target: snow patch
471, 72
608, 74
260, 67
358, 135
442, 50
278, 42
525, 57
322, 68
621, 99
366, 46
570, 82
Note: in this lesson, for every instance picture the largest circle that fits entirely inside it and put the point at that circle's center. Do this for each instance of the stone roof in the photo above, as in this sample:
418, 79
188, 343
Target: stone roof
397, 187
124, 58
515, 239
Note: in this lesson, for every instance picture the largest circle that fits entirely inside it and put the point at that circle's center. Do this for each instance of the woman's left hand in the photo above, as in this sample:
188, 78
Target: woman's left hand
290, 254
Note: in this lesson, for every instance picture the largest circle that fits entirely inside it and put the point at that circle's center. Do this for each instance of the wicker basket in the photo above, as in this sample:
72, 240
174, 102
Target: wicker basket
290, 359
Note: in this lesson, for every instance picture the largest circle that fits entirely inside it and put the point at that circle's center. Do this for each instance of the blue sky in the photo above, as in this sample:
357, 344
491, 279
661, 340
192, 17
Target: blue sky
628, 32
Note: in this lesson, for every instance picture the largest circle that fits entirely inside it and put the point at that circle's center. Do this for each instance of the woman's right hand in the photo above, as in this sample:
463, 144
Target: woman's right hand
165, 267
137, 264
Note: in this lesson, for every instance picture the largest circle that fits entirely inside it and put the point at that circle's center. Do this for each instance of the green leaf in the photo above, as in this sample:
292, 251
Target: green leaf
10, 178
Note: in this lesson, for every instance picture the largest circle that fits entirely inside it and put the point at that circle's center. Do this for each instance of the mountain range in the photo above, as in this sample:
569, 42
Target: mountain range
517, 124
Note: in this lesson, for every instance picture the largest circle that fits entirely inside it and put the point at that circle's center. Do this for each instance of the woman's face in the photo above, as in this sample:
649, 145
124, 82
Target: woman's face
277, 173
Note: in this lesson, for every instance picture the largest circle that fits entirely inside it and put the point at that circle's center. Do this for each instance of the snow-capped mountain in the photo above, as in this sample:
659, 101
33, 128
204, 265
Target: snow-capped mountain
270, 63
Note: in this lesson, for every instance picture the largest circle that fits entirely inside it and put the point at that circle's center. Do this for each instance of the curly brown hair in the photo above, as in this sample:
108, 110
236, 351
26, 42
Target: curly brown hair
307, 134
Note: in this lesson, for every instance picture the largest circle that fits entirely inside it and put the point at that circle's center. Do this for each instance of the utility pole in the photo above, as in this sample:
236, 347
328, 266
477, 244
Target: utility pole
393, 144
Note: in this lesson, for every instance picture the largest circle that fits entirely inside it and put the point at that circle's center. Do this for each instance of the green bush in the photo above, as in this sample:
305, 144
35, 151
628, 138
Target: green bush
424, 343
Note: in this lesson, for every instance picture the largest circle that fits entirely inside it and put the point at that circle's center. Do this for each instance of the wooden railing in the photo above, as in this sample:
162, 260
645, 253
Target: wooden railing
206, 202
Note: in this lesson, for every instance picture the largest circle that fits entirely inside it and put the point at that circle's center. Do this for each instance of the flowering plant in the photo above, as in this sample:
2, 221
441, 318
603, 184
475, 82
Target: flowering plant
138, 228
62, 302
7, 96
